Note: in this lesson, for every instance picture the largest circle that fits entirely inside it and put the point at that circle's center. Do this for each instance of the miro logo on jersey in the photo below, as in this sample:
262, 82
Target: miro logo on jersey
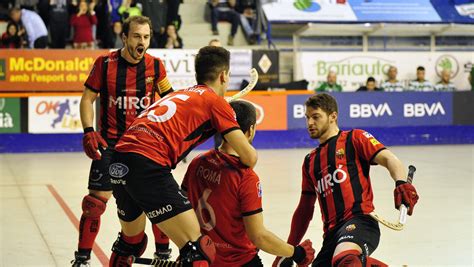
129, 102
325, 184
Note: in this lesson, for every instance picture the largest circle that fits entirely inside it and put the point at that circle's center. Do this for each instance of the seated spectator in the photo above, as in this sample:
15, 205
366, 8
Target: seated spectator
420, 84
445, 84
214, 42
33, 25
330, 85
392, 84
172, 38
248, 19
82, 23
129, 8
11, 38
224, 10
370, 86
117, 37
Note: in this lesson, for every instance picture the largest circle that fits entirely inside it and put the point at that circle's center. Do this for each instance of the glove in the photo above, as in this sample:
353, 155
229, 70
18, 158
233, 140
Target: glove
304, 253
303, 256
91, 141
405, 193
282, 262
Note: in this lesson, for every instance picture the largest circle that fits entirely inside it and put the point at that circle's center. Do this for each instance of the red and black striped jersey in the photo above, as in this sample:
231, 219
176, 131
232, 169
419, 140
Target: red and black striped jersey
337, 171
125, 89
172, 126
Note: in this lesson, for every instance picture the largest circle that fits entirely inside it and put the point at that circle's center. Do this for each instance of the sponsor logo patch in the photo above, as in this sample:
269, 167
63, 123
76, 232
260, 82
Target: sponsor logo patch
118, 170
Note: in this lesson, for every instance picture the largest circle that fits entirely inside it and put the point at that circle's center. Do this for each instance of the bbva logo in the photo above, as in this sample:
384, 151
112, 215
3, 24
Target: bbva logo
423, 109
369, 110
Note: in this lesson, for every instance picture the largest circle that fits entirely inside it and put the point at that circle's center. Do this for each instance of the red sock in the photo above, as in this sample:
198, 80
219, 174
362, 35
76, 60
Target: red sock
133, 239
88, 230
162, 242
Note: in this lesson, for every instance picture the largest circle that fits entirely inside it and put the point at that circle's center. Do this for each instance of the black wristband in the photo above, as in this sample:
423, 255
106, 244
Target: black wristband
88, 129
299, 254
399, 182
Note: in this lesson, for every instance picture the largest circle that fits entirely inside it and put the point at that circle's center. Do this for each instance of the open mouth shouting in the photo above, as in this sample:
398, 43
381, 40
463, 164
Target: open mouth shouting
140, 51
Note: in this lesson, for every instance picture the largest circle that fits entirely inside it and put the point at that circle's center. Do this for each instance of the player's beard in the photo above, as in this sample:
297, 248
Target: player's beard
137, 52
316, 132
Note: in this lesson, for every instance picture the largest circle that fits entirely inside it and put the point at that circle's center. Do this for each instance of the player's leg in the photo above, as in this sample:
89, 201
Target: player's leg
356, 240
93, 206
132, 240
162, 244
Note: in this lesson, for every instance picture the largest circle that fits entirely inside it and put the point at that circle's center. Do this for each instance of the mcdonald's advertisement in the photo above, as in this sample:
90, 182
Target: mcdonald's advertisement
45, 70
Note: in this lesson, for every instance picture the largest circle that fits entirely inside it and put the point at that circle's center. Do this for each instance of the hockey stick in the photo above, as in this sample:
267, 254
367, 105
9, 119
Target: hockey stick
398, 226
154, 262
253, 81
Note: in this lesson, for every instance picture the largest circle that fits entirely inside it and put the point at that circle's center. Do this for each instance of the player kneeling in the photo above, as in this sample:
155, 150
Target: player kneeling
236, 227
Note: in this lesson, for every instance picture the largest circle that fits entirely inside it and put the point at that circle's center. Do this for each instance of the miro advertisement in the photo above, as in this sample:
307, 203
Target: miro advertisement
378, 109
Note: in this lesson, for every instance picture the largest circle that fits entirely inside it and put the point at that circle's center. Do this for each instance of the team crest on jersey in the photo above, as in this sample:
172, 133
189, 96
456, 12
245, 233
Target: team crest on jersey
350, 227
340, 153
259, 189
149, 80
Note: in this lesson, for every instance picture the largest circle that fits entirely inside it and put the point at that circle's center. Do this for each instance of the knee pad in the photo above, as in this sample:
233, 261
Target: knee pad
122, 250
348, 258
93, 206
200, 253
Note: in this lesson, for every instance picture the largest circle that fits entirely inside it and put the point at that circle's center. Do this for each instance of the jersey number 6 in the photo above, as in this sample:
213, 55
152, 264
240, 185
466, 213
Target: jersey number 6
166, 101
204, 205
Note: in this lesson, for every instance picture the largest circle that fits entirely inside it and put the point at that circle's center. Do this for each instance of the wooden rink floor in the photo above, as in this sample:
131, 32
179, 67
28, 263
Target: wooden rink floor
40, 197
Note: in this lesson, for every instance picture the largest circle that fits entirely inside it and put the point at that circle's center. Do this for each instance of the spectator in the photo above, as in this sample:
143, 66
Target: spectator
11, 38
33, 25
82, 23
156, 10
370, 86
248, 19
420, 84
5, 6
104, 32
58, 21
392, 84
113, 9
27, 4
214, 42
445, 84
129, 8
117, 37
172, 38
224, 10
172, 16
330, 85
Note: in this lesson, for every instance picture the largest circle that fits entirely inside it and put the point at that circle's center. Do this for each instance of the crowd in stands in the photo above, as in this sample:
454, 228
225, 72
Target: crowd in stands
85, 24
392, 84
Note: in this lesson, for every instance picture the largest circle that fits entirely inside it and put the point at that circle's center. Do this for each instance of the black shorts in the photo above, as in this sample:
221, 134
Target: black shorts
362, 230
255, 262
99, 178
141, 185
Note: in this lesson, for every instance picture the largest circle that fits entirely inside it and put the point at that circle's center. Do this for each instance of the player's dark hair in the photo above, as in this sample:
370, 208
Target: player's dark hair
246, 114
420, 68
323, 101
209, 62
138, 20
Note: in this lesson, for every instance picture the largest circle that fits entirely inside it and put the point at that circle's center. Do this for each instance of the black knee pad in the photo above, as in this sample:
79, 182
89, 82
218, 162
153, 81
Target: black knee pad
122, 248
202, 249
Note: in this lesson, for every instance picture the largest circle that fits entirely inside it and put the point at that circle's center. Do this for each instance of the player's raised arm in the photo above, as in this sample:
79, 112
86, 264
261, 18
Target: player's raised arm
241, 145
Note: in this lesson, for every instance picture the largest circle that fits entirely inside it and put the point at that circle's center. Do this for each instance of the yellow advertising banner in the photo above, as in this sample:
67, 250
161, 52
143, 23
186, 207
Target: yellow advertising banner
45, 70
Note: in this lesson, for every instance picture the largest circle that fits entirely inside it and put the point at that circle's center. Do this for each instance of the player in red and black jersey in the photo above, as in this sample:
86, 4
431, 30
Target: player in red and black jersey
337, 174
125, 80
157, 140
237, 227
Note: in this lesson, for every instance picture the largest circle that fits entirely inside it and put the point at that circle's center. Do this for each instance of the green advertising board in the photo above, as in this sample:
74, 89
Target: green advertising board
10, 115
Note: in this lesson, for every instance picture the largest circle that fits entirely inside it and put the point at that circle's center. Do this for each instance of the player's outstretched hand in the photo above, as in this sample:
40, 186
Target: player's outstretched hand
405, 193
282, 262
304, 253
91, 141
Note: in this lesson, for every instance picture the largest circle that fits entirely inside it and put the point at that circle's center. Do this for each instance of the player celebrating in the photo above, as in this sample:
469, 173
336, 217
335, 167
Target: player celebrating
155, 142
237, 227
337, 173
125, 80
